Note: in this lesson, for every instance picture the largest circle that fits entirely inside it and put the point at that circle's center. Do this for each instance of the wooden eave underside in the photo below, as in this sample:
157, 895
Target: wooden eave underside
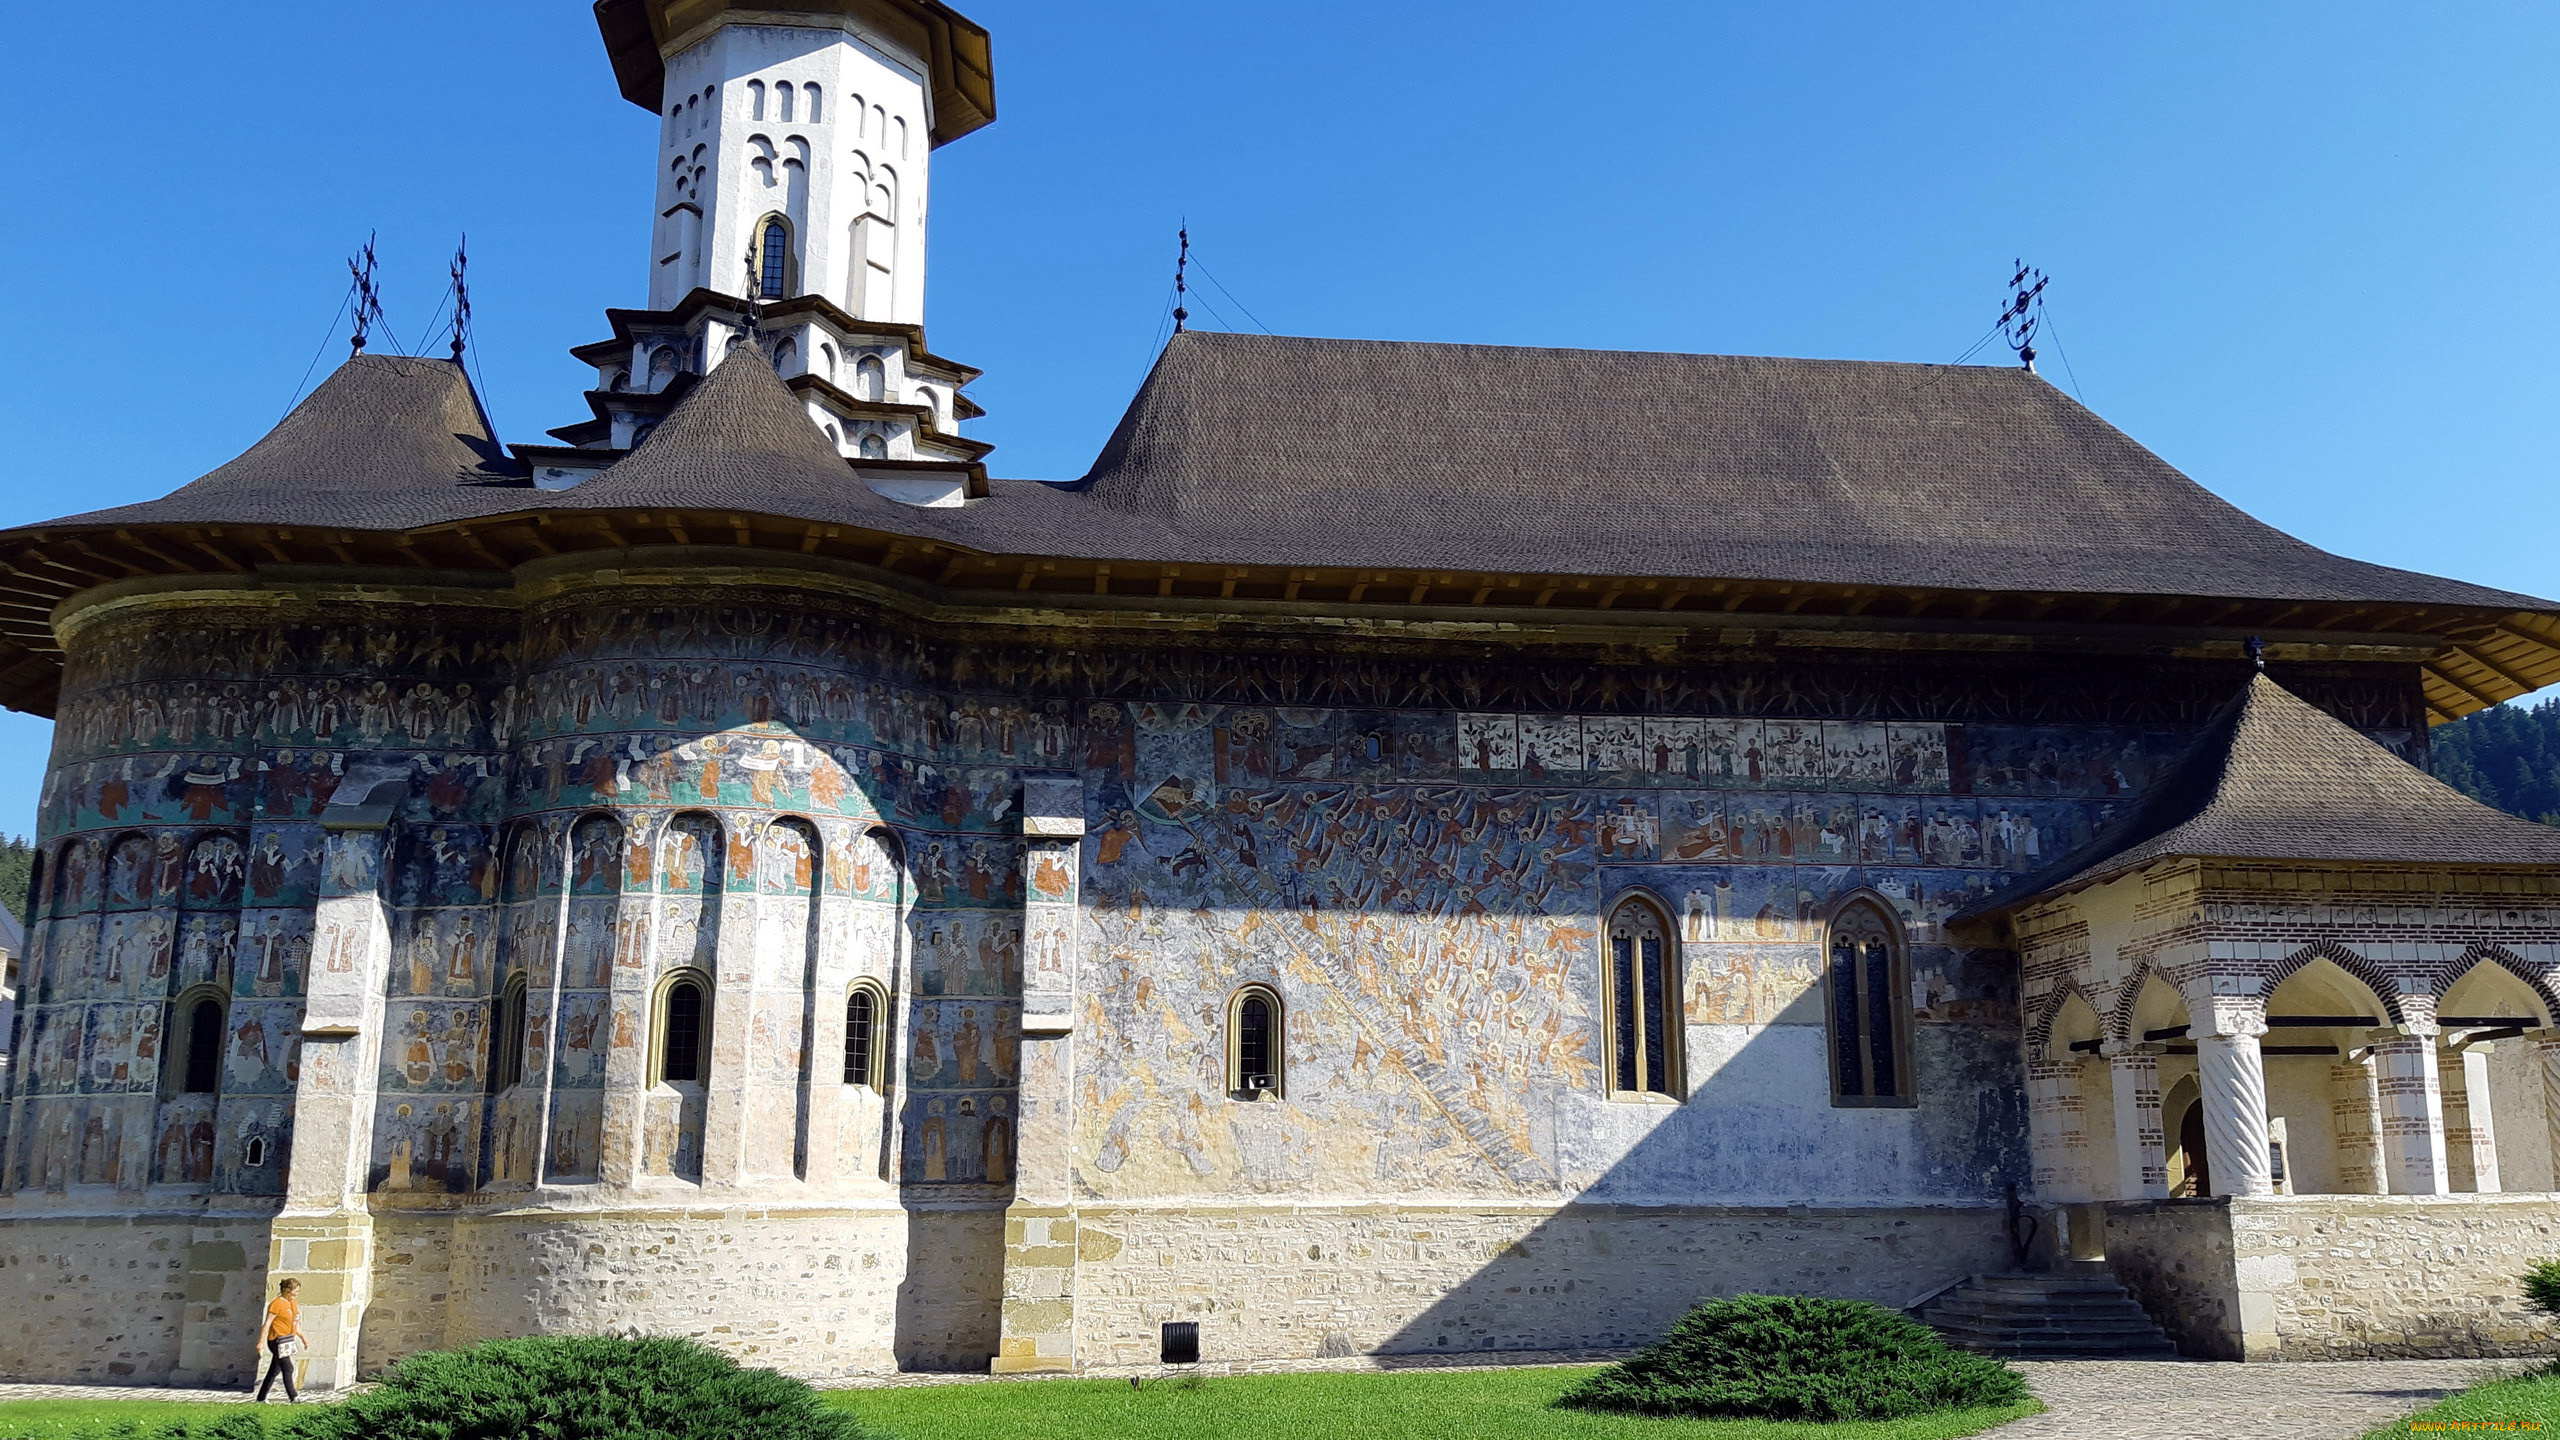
2481, 657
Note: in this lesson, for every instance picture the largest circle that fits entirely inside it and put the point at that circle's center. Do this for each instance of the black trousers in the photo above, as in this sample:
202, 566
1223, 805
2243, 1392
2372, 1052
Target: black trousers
278, 1363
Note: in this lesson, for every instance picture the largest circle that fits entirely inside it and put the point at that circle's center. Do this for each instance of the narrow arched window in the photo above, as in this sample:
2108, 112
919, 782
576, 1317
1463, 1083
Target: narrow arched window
1643, 1002
774, 258
506, 1038
1256, 1050
681, 1031
204, 1047
1869, 1012
783, 93
864, 1012
817, 104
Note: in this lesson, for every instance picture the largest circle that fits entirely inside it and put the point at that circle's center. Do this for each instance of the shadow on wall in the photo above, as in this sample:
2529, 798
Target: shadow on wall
1872, 1203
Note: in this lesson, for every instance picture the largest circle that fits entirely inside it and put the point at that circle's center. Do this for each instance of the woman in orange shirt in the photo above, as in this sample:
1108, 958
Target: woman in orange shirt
284, 1338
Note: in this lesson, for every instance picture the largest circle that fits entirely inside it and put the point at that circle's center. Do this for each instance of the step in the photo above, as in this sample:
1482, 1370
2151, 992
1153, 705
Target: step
2021, 1305
2002, 1324
2079, 1312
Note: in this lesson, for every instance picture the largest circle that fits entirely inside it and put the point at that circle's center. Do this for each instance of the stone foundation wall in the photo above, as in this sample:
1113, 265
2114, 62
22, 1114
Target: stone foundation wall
2340, 1277
2352, 1276
412, 1290
2175, 1256
1281, 1282
131, 1299
816, 1293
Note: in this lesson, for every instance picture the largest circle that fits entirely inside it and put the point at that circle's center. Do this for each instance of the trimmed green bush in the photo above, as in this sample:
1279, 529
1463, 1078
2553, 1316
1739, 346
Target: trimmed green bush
1798, 1357
578, 1388
2542, 1287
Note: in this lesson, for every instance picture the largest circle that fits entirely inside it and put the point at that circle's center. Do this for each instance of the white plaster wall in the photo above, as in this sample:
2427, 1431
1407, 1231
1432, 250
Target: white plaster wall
2518, 1111
2298, 1090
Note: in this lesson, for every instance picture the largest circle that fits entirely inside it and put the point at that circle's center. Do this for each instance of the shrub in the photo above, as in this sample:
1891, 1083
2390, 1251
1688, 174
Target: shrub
1797, 1357
2542, 1287
579, 1388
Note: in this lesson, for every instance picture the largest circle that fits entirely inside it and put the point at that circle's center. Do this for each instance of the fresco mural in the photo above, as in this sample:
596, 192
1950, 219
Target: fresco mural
1411, 846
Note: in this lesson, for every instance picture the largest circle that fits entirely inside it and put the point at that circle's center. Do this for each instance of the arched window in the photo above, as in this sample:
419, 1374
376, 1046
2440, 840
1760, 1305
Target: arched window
755, 99
199, 1023
506, 1038
1256, 1043
204, 1047
817, 106
1869, 1009
783, 92
786, 351
1643, 1002
773, 258
866, 1012
683, 1013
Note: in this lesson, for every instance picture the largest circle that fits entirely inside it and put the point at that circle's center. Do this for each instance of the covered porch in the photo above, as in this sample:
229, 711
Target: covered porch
2291, 1062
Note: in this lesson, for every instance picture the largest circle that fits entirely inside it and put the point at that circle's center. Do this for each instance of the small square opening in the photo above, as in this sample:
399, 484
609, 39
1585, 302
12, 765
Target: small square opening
1181, 1342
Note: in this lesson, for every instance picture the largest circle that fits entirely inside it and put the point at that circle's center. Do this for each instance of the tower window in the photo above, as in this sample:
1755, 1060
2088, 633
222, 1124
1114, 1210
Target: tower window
864, 1011
1643, 1002
204, 1047
199, 1025
506, 1038
680, 1029
774, 258
1256, 1043
1869, 1018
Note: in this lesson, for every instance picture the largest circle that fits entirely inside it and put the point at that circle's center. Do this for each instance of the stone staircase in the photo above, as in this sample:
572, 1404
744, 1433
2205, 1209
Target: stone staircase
2079, 1311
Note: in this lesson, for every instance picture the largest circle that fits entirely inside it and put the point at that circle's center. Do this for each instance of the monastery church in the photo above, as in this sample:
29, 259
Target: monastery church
1423, 848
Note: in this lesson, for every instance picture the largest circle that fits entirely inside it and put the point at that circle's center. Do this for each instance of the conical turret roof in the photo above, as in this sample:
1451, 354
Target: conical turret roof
386, 441
738, 439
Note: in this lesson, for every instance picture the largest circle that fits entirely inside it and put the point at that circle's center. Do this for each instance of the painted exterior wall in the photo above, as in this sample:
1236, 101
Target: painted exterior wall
790, 782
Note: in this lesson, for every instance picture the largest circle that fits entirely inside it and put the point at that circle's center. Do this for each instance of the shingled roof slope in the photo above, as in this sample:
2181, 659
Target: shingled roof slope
740, 440
1283, 450
386, 442
2275, 777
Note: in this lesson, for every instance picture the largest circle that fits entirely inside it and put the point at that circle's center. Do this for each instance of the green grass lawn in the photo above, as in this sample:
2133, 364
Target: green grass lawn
2502, 1407
1416, 1405
60, 1419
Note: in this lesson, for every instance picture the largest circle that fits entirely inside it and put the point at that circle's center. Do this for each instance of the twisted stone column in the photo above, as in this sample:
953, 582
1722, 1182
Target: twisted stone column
2234, 1077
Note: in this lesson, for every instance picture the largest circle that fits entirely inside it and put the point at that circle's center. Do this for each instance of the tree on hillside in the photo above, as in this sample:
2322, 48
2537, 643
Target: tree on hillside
2507, 756
17, 871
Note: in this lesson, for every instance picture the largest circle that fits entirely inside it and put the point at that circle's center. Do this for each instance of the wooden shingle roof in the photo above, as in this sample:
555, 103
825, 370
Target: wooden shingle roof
2274, 777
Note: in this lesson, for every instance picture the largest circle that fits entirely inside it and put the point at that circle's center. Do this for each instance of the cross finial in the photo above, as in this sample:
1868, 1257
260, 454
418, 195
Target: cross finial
461, 297
2258, 653
2023, 316
368, 296
1182, 282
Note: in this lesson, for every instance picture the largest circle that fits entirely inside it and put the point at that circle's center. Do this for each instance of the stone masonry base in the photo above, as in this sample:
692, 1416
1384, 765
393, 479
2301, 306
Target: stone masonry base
2339, 1277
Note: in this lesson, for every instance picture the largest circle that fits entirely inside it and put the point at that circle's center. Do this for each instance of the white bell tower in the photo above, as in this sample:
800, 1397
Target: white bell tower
804, 149
790, 200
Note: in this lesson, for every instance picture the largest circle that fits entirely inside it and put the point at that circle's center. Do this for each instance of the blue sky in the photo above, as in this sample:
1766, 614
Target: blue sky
2302, 251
